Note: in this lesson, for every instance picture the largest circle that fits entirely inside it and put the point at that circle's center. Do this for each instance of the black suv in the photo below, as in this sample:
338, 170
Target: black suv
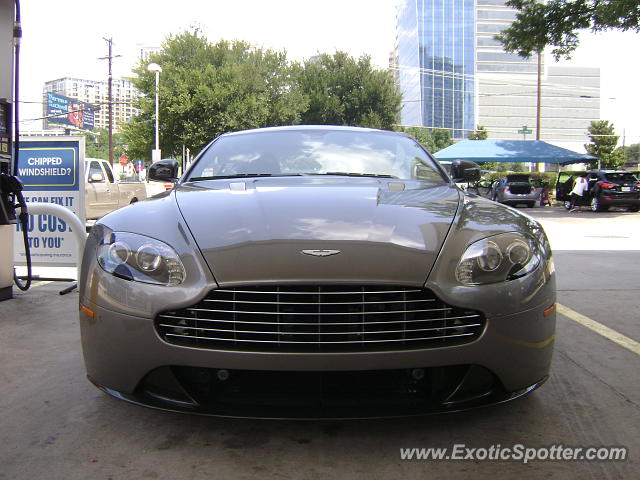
613, 188
607, 188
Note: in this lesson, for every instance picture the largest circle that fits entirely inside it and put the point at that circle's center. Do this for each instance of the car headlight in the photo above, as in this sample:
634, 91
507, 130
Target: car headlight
135, 257
498, 258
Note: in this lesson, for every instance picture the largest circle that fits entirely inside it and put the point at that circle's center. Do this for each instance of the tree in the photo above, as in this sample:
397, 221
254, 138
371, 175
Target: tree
480, 133
341, 90
603, 145
632, 153
441, 139
556, 23
97, 144
209, 89
431, 140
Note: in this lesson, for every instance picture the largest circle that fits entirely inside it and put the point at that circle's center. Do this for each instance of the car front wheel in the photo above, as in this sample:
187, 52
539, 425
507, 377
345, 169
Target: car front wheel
567, 204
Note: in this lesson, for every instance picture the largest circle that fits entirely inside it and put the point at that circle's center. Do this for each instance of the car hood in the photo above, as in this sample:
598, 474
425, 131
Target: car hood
358, 229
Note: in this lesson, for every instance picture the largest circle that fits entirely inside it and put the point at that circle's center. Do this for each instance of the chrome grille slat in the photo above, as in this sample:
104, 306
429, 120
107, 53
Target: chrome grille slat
330, 342
312, 293
323, 318
326, 323
371, 332
314, 313
323, 303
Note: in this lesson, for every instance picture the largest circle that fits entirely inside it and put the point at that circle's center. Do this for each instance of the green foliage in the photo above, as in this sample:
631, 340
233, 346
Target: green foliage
603, 145
441, 138
431, 139
631, 153
341, 90
556, 23
97, 146
209, 89
480, 133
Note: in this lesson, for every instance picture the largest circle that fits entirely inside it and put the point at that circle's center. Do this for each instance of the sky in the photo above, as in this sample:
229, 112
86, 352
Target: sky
65, 38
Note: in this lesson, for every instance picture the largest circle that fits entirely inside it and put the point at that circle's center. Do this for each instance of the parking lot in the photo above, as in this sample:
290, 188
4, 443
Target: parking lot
56, 425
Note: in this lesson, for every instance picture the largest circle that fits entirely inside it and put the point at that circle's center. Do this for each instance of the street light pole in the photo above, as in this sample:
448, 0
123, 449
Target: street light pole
154, 67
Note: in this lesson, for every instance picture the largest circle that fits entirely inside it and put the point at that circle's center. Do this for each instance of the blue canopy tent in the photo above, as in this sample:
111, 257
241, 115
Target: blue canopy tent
534, 151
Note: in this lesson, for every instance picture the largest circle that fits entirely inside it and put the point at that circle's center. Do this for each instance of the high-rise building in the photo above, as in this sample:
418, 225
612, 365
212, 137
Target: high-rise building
123, 94
507, 87
454, 74
436, 63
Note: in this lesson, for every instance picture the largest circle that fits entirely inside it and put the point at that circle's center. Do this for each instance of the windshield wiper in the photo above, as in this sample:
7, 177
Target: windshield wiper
244, 175
354, 174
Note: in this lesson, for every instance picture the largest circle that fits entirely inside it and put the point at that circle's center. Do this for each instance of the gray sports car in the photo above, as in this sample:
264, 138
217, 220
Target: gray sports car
317, 272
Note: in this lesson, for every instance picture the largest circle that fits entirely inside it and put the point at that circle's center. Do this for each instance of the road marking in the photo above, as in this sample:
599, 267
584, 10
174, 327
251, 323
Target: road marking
600, 329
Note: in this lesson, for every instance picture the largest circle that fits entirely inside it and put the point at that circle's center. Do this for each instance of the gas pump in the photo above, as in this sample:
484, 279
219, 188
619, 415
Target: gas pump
10, 186
7, 212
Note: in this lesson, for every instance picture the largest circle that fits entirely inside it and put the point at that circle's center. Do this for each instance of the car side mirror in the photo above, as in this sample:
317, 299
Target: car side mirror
165, 170
465, 171
96, 177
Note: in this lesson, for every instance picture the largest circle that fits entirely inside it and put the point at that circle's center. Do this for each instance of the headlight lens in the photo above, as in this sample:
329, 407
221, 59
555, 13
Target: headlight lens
498, 258
143, 259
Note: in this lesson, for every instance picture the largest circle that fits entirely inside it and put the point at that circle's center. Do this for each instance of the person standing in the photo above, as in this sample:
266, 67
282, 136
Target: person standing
580, 188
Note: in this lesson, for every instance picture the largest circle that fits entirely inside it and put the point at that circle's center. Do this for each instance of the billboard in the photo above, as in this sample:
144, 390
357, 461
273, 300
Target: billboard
52, 170
70, 111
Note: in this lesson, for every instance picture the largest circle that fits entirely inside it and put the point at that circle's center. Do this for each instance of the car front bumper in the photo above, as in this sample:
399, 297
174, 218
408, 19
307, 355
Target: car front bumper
126, 358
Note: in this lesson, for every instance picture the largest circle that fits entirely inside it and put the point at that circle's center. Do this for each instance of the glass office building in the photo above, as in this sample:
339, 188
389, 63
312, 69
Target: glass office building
436, 63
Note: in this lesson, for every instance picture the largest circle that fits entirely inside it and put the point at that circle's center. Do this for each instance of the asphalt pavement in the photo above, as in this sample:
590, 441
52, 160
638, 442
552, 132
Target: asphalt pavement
54, 424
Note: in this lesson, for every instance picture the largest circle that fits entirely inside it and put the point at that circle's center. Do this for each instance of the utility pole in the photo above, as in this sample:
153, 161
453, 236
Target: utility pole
110, 58
539, 95
539, 101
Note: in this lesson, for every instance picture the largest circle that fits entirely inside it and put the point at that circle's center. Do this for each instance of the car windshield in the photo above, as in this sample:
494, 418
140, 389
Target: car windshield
621, 177
316, 152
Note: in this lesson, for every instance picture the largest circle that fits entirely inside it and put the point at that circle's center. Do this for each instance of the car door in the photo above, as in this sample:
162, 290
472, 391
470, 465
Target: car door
564, 185
112, 197
95, 190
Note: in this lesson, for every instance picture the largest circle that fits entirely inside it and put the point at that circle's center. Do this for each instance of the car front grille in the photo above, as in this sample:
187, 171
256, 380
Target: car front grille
294, 318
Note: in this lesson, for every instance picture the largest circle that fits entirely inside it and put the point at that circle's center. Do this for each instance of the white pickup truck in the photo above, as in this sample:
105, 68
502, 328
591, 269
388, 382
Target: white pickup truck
103, 193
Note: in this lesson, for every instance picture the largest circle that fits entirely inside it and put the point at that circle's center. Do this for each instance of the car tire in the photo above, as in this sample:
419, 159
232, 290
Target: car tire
531, 204
596, 206
567, 204
634, 208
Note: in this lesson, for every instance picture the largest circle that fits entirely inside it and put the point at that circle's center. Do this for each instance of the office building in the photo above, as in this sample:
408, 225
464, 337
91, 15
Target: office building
453, 74
507, 87
436, 63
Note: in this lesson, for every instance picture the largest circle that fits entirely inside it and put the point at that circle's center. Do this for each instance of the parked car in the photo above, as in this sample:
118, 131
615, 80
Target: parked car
317, 272
516, 189
613, 188
103, 194
607, 188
